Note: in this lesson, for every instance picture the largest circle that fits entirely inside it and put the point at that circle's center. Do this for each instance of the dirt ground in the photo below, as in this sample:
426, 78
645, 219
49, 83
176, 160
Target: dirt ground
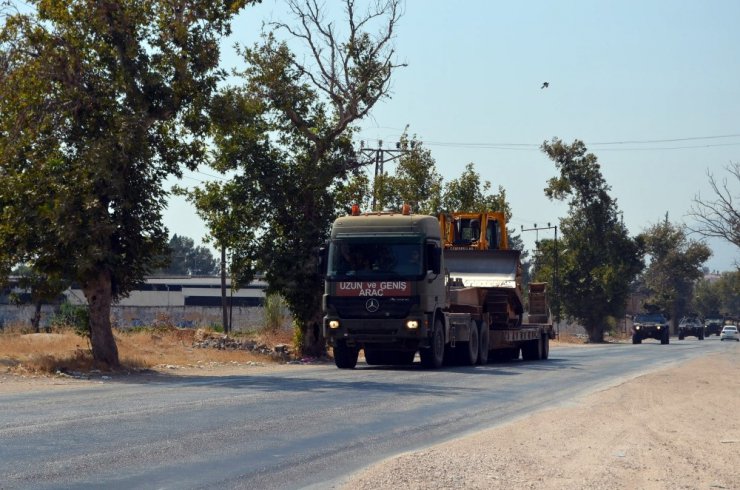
673, 429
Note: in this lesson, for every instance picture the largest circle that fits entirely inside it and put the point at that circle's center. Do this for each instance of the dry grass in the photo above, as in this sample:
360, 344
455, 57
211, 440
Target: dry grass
63, 350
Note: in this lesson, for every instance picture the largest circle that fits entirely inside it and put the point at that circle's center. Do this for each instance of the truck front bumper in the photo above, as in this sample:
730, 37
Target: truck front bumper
411, 332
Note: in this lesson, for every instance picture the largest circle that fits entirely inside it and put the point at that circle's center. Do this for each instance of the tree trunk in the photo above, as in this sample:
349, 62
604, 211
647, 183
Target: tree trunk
224, 308
36, 318
313, 344
98, 291
595, 333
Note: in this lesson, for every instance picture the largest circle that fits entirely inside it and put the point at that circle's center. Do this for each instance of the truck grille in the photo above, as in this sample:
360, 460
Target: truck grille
388, 307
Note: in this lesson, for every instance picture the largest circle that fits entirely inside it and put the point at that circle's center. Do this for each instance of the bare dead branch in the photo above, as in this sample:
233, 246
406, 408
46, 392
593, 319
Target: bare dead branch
353, 72
720, 217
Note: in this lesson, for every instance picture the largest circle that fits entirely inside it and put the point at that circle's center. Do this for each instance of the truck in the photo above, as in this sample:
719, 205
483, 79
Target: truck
650, 325
690, 326
713, 324
447, 287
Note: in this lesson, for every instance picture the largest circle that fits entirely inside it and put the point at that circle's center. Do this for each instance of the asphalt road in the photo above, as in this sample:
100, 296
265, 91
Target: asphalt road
288, 428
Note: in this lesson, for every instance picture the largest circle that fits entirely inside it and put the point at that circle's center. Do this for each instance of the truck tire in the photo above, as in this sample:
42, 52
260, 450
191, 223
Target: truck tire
532, 350
483, 340
345, 357
636, 339
665, 338
468, 351
701, 336
545, 347
433, 356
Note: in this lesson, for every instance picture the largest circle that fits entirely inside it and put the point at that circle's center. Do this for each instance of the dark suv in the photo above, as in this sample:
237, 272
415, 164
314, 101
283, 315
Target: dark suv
713, 325
690, 326
650, 326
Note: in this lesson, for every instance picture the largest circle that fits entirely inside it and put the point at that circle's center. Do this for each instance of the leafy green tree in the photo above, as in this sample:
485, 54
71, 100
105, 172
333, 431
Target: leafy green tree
469, 193
598, 259
707, 299
187, 259
290, 178
43, 288
675, 266
729, 292
99, 103
415, 181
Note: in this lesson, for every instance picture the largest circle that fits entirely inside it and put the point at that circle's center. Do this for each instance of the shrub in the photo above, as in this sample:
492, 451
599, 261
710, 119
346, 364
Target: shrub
274, 312
76, 317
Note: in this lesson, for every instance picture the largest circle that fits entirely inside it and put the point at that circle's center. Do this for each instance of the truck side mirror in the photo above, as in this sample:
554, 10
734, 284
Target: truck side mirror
434, 255
323, 261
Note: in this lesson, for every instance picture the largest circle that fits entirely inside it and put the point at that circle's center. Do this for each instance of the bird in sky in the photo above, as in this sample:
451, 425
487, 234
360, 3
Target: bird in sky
545, 85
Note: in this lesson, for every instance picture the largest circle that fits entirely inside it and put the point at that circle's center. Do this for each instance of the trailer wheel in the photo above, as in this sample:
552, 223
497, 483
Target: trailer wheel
469, 350
545, 347
483, 340
532, 350
433, 356
345, 357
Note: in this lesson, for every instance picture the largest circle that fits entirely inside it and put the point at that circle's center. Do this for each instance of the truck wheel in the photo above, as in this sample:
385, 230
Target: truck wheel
532, 350
636, 339
469, 350
665, 338
433, 356
545, 347
701, 336
345, 357
680, 336
483, 339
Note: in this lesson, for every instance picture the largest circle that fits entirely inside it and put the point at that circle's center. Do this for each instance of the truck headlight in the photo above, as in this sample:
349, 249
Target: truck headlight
658, 327
412, 324
637, 327
333, 323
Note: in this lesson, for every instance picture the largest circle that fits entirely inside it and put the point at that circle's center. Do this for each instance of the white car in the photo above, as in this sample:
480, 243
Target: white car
729, 332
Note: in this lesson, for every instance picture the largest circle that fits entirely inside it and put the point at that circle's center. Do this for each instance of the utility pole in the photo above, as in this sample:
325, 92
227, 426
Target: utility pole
380, 156
555, 273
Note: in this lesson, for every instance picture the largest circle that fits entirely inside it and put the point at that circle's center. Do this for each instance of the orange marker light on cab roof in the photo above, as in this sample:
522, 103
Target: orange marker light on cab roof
406, 209
355, 210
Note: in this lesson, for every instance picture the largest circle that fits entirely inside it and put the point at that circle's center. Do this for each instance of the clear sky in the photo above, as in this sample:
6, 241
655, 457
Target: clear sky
652, 87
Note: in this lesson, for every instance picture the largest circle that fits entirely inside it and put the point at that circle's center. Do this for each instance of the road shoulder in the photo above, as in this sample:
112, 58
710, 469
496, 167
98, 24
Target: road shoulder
675, 428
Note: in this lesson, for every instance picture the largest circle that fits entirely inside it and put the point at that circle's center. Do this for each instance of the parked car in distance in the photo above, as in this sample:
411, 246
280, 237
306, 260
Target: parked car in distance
650, 326
729, 332
713, 325
690, 326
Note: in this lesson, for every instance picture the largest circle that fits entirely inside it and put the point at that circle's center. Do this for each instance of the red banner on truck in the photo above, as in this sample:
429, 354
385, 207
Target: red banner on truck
373, 288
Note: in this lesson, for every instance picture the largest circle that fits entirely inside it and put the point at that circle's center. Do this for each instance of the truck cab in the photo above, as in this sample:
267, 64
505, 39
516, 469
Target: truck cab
383, 286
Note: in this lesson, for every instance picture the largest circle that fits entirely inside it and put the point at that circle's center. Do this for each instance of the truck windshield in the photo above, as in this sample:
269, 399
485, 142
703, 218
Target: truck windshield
360, 258
649, 318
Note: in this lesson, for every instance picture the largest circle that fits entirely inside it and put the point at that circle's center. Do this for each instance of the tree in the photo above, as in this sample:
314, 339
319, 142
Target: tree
415, 181
707, 300
43, 289
598, 259
187, 259
99, 102
719, 218
469, 193
674, 268
309, 107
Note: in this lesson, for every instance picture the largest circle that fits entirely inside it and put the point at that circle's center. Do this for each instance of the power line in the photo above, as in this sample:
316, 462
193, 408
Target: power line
536, 146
